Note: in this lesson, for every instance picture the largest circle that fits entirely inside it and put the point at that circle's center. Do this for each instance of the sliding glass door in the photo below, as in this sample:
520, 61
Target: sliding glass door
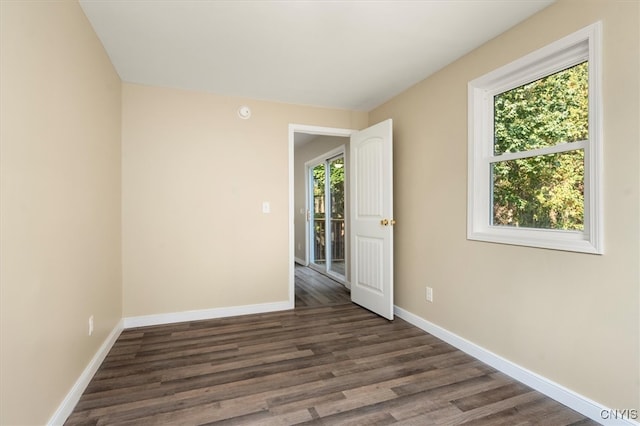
327, 222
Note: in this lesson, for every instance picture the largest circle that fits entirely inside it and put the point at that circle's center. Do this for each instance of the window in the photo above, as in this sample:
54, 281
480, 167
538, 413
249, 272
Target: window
535, 149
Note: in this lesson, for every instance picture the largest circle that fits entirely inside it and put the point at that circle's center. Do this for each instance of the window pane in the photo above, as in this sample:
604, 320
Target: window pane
545, 192
337, 231
543, 113
319, 234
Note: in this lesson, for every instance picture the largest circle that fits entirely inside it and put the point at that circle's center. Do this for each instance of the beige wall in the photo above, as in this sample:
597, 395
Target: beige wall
573, 318
307, 152
194, 179
59, 207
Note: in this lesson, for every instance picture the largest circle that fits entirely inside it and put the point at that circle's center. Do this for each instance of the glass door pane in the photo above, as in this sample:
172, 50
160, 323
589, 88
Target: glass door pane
318, 255
336, 253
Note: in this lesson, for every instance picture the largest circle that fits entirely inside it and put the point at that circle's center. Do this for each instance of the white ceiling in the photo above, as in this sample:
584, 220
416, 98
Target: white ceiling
340, 54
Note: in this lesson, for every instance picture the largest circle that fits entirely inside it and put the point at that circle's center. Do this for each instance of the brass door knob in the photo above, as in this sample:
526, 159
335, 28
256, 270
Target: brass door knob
384, 222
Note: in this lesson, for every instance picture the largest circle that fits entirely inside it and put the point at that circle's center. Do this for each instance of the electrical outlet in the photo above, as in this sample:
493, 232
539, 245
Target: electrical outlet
429, 294
90, 325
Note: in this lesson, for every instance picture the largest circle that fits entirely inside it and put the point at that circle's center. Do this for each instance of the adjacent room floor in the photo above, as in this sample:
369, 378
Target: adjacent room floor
316, 289
326, 362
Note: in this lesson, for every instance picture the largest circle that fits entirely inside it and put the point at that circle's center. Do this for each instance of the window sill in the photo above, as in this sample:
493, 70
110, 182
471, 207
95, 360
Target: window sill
573, 241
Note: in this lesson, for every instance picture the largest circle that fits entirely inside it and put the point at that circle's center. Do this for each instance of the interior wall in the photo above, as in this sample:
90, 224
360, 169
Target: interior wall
307, 152
570, 317
195, 176
59, 204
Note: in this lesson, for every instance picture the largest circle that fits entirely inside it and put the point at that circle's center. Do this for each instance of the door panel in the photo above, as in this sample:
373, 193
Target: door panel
369, 178
370, 252
371, 172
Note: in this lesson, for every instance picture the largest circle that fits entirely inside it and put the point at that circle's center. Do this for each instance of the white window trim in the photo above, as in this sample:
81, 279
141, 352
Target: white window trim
582, 45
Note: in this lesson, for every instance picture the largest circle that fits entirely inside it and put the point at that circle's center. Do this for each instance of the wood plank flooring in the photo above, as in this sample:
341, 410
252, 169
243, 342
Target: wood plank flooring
315, 289
319, 365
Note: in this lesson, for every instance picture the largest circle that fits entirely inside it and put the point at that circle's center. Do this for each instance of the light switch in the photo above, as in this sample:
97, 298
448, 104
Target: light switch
266, 207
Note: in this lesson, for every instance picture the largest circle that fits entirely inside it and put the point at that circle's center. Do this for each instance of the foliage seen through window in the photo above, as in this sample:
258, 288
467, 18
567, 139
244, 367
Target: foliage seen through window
541, 191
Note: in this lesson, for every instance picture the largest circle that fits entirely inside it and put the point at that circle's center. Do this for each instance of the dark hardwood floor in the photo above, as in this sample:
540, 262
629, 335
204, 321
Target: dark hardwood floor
336, 364
315, 289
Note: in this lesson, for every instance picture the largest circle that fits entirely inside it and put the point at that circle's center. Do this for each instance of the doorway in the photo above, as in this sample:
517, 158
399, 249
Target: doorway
308, 144
369, 214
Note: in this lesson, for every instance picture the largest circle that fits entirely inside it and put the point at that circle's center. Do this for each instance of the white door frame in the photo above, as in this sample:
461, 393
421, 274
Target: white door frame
311, 130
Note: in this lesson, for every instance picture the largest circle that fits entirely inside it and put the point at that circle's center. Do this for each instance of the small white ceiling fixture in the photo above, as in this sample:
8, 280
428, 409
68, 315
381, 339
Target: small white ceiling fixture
344, 54
244, 112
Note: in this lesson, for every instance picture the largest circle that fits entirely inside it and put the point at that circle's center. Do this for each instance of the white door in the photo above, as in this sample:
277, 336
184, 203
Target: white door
371, 182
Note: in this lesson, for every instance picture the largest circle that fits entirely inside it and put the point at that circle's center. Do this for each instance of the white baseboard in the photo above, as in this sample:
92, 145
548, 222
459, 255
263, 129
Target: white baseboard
68, 404
146, 320
571, 399
300, 261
